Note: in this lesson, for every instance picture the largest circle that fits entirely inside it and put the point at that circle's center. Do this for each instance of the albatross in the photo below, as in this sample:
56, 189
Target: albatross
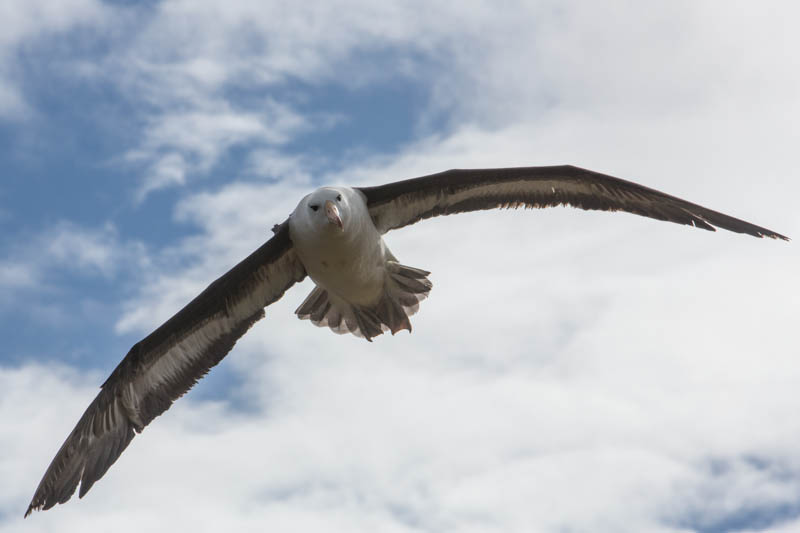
334, 236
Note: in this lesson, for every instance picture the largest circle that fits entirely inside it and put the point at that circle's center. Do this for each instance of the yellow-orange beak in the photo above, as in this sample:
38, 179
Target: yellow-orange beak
332, 212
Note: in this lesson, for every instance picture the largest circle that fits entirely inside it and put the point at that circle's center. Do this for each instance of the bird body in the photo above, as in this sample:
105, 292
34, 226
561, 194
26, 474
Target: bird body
347, 261
361, 288
335, 235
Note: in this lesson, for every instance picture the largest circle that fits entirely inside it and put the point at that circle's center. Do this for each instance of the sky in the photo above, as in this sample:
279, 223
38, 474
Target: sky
570, 372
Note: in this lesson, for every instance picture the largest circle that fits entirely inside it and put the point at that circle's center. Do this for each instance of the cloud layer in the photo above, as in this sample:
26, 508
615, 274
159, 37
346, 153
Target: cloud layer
571, 371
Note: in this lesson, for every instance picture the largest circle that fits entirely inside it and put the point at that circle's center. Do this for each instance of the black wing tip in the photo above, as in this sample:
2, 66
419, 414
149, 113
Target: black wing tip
769, 235
772, 235
43, 502
776, 236
40, 503
758, 232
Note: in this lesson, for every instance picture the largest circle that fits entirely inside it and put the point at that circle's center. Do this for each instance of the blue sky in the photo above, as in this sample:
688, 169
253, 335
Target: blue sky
571, 371
84, 145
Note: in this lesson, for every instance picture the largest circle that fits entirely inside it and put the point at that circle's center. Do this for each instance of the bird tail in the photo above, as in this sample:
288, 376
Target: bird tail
405, 288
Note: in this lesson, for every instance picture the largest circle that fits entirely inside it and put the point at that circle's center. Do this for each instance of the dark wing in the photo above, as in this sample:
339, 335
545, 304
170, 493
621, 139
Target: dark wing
164, 365
399, 204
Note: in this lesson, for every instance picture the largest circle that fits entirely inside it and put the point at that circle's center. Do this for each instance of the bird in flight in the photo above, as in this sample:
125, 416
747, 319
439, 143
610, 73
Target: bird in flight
335, 237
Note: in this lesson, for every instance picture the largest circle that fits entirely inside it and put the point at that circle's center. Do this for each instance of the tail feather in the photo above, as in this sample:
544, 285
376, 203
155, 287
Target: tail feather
394, 315
413, 286
313, 301
405, 288
321, 311
369, 323
408, 287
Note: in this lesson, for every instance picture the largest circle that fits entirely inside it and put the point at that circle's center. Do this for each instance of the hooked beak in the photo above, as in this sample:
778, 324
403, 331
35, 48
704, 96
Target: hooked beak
332, 212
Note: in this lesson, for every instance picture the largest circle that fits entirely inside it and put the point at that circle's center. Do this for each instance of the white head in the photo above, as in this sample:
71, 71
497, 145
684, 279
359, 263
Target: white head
324, 210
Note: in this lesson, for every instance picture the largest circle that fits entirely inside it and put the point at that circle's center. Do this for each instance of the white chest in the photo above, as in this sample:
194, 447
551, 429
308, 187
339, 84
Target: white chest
349, 263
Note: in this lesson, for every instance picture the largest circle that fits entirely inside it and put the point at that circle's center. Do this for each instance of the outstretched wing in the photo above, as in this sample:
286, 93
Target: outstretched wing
399, 204
164, 365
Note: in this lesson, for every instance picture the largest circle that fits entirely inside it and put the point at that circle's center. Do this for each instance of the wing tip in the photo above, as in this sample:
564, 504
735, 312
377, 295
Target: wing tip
736, 226
762, 233
39, 503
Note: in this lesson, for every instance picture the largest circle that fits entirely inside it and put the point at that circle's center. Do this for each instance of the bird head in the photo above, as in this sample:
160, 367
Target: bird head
325, 208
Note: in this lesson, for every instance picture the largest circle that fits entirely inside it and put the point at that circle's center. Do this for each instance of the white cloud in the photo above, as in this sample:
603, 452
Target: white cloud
235, 221
82, 249
190, 64
271, 164
191, 143
11, 102
472, 422
24, 24
33, 272
570, 370
15, 275
186, 65
167, 170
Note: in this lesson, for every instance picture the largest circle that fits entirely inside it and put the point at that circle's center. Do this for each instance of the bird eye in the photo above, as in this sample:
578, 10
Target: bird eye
313, 207
338, 197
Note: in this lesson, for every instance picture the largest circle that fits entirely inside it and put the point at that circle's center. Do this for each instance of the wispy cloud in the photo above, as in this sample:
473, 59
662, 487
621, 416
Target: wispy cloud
83, 250
16, 275
67, 248
207, 80
571, 370
211, 80
179, 144
25, 24
232, 223
461, 431
593, 384
11, 102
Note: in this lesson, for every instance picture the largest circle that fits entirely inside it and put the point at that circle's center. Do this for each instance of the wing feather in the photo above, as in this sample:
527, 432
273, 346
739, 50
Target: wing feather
401, 203
164, 365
